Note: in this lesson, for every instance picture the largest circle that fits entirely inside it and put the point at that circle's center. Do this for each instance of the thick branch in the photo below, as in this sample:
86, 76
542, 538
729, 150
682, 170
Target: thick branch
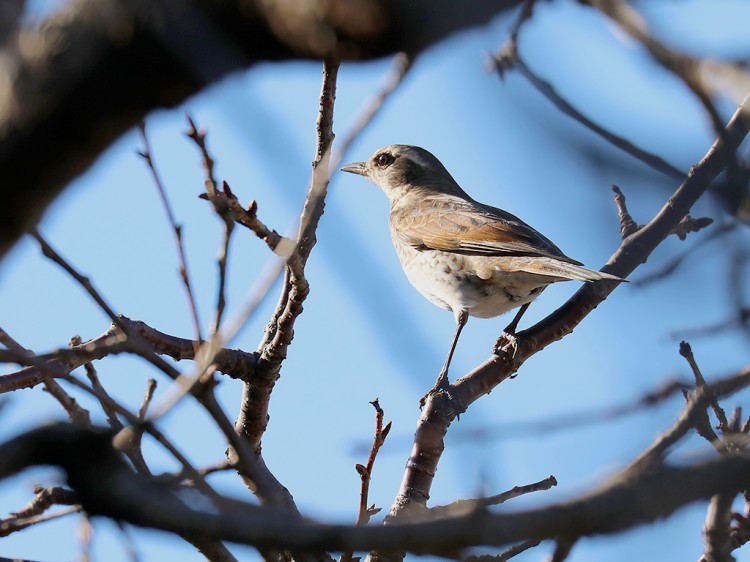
107, 486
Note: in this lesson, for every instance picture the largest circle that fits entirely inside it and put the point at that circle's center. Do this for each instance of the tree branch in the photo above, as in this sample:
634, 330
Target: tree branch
107, 486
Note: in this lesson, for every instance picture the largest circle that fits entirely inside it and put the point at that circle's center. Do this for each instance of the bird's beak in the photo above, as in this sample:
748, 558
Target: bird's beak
356, 168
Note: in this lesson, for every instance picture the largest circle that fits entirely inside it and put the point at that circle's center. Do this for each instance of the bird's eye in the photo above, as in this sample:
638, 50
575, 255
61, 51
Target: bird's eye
384, 159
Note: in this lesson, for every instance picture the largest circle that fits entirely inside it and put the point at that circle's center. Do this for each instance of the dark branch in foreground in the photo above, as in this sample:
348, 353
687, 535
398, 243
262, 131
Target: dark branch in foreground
108, 486
98, 67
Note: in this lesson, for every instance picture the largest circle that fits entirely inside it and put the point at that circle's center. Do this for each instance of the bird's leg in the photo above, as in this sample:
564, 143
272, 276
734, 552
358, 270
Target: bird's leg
442, 382
507, 339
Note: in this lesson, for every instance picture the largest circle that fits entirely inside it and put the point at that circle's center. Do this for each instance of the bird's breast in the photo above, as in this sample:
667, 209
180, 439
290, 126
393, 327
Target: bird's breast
478, 285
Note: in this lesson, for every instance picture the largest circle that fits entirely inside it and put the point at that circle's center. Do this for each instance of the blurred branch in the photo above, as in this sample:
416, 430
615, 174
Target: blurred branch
461, 507
365, 471
674, 263
511, 552
563, 546
687, 352
86, 70
45, 498
110, 488
508, 58
695, 73
33, 513
14, 524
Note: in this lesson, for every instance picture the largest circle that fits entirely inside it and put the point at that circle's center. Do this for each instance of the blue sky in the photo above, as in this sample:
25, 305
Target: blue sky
365, 333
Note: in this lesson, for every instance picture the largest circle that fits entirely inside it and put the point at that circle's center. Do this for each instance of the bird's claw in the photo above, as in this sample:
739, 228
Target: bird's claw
442, 384
507, 343
442, 387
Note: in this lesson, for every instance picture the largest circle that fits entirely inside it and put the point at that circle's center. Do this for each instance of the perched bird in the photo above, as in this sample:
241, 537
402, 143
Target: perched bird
464, 256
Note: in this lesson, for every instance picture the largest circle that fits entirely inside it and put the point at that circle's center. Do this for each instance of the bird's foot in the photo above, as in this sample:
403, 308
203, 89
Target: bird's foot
442, 388
507, 343
442, 384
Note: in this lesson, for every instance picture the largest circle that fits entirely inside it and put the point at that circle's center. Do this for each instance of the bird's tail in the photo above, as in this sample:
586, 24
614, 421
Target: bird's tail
561, 270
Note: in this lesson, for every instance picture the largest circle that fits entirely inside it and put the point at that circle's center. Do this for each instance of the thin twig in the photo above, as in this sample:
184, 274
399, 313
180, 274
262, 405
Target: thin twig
507, 554
687, 352
461, 507
508, 57
673, 264
76, 413
85, 282
198, 136
248, 218
123, 436
365, 472
12, 525
146, 154
44, 498
627, 225
147, 397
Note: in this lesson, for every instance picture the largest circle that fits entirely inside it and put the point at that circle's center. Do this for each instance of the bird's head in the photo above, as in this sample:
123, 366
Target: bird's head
401, 169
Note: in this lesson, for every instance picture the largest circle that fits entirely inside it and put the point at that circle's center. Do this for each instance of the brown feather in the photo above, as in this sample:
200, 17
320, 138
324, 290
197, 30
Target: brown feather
453, 224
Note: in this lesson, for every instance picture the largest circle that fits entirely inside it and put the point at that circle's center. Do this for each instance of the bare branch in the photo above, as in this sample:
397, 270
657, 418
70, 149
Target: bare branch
627, 225
45, 498
280, 245
507, 57
461, 507
511, 552
146, 154
232, 362
687, 352
198, 136
365, 472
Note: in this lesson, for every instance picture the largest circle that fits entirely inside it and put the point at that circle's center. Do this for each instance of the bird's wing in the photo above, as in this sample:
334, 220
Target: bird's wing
452, 224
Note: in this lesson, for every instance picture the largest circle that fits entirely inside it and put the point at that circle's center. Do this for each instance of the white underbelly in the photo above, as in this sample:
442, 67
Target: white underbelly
451, 282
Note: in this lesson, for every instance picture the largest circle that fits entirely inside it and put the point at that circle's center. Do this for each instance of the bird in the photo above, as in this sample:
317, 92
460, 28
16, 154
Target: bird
462, 255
